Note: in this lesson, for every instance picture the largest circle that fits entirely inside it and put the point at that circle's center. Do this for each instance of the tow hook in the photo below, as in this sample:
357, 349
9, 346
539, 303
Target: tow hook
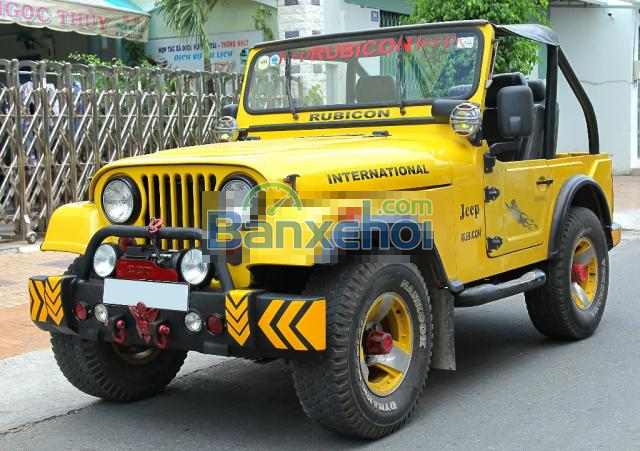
579, 273
378, 342
161, 337
119, 333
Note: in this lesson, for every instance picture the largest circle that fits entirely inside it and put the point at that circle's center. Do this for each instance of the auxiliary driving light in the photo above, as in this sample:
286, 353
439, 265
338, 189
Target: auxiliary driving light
193, 322
101, 313
192, 268
104, 260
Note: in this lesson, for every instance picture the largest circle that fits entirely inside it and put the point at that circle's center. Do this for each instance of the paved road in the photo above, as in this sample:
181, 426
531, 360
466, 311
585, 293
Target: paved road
513, 389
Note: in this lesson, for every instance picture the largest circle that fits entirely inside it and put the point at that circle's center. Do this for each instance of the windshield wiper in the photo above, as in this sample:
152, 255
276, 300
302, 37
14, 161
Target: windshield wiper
287, 74
399, 77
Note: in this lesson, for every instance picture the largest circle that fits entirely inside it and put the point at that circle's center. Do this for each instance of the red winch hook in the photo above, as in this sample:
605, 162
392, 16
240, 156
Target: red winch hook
163, 332
154, 225
120, 336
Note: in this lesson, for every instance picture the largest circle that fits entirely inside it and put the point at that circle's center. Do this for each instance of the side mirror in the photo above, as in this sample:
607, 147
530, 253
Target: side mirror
515, 112
230, 110
441, 109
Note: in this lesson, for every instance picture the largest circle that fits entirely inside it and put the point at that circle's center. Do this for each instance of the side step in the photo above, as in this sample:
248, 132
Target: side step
488, 292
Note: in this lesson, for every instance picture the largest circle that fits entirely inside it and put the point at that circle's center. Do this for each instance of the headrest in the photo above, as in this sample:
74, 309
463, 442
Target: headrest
539, 89
500, 81
376, 88
458, 91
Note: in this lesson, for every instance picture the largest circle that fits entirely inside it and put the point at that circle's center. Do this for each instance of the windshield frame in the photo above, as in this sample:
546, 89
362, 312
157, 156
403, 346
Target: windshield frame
284, 46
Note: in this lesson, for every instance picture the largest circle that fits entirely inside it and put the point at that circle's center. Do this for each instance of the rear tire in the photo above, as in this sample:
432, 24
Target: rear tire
567, 307
349, 389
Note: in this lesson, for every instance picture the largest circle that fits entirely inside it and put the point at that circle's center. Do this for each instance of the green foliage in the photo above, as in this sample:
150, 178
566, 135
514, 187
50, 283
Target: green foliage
514, 54
134, 54
314, 97
189, 19
263, 21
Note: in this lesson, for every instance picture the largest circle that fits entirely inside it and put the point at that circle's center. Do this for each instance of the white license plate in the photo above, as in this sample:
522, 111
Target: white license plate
161, 295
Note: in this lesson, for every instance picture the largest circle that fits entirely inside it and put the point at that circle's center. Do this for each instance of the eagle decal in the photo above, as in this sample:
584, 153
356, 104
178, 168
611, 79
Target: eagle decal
520, 216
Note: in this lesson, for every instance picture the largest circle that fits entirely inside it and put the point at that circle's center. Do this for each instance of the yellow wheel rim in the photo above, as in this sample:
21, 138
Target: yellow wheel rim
584, 274
384, 372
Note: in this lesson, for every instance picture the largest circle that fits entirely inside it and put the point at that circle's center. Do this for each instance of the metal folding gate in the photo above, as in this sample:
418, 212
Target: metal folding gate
59, 123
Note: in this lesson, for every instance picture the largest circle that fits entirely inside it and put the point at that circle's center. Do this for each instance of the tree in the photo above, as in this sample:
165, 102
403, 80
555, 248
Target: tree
189, 19
514, 54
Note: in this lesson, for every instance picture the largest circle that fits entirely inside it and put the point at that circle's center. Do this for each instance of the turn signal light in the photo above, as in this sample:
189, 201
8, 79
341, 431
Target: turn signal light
80, 311
215, 324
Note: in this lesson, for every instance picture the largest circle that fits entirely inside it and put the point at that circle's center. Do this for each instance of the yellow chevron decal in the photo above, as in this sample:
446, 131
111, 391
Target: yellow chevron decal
311, 326
45, 299
265, 324
284, 325
237, 315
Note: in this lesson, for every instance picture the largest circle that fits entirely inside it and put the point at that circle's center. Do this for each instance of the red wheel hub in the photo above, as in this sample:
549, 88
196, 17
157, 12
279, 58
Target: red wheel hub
378, 342
579, 273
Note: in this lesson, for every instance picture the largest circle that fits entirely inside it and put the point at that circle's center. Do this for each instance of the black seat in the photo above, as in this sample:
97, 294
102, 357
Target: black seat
531, 147
504, 149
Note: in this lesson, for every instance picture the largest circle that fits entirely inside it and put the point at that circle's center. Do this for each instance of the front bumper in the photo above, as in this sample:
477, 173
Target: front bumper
257, 324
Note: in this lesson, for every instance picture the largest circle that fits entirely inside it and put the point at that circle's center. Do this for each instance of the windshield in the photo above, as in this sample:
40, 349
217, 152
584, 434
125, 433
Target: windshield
412, 67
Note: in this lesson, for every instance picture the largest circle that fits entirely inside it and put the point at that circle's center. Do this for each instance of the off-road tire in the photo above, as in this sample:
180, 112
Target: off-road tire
551, 308
328, 386
95, 367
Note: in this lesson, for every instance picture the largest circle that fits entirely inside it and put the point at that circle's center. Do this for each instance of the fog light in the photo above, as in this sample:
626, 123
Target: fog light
193, 322
104, 260
80, 311
215, 324
192, 269
101, 313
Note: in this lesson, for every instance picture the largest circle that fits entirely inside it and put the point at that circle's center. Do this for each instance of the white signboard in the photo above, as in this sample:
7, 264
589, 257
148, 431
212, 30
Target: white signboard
229, 51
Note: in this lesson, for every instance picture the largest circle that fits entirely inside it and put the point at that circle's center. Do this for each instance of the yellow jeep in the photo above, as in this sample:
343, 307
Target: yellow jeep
334, 143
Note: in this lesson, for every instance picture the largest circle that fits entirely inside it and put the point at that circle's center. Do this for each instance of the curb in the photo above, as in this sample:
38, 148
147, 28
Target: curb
20, 247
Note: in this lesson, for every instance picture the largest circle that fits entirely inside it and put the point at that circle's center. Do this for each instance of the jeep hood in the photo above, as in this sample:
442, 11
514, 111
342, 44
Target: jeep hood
347, 162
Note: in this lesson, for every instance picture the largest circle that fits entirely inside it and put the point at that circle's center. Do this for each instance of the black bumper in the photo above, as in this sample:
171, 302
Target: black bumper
257, 323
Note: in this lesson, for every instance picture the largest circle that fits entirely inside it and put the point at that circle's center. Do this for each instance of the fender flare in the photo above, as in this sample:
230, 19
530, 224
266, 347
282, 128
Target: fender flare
583, 191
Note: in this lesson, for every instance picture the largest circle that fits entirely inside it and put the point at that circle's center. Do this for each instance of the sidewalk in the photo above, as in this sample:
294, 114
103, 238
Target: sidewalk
627, 201
19, 335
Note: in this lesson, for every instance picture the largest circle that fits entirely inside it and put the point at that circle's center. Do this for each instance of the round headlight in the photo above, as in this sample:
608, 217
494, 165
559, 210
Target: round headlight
192, 269
238, 184
104, 260
119, 200
227, 129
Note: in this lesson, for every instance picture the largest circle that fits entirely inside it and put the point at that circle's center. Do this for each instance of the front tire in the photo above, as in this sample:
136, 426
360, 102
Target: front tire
355, 388
571, 303
113, 372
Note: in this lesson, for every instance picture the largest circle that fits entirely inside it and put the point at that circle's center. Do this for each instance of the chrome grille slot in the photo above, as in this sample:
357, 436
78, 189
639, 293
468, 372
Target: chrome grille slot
177, 199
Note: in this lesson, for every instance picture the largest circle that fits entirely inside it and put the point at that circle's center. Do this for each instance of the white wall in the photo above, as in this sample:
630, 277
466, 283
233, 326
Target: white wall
341, 16
601, 50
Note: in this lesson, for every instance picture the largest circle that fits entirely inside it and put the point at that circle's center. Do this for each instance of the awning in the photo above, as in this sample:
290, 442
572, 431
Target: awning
109, 18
